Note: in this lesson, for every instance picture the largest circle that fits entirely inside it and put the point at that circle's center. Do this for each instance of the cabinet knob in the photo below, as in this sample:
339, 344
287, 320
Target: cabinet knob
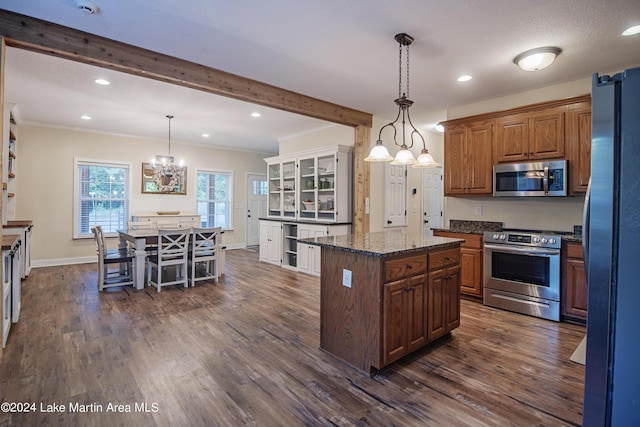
409, 266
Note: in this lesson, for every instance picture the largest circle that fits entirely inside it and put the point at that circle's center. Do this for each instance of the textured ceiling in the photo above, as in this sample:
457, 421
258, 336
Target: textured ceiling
338, 51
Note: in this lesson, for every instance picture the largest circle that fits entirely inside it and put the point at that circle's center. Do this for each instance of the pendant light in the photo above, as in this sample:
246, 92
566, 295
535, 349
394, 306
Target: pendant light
379, 152
166, 174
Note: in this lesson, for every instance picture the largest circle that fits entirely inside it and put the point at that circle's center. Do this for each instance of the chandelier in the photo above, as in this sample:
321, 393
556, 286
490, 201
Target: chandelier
167, 175
379, 152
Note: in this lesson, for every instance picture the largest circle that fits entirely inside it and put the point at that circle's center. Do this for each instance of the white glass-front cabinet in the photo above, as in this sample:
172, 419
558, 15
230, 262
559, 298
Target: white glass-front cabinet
321, 190
282, 189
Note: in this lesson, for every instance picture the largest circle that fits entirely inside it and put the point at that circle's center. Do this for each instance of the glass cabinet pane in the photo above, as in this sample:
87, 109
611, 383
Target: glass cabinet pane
275, 197
308, 188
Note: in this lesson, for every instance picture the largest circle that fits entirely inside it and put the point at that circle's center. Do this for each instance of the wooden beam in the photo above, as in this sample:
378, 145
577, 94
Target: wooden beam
361, 181
40, 36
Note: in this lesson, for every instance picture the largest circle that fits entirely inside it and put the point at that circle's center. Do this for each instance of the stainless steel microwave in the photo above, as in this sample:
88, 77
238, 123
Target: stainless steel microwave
531, 179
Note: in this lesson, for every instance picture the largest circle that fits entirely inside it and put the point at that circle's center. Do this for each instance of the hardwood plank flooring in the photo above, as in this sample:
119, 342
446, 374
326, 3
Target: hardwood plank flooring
246, 351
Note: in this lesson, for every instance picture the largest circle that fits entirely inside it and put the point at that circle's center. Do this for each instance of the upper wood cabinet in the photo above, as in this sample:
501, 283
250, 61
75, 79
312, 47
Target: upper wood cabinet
533, 135
556, 130
579, 146
467, 158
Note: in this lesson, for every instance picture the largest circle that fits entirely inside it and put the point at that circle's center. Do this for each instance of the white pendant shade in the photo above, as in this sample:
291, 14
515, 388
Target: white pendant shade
425, 160
379, 153
404, 157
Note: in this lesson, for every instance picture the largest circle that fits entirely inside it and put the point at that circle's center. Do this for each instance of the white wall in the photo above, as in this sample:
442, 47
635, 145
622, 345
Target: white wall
44, 181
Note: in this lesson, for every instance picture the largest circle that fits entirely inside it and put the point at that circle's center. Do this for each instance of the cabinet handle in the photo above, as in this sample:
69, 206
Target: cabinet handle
409, 266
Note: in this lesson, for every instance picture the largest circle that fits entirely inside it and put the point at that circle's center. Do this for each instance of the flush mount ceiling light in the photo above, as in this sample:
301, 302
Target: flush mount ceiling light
103, 82
167, 175
537, 59
631, 31
379, 152
464, 78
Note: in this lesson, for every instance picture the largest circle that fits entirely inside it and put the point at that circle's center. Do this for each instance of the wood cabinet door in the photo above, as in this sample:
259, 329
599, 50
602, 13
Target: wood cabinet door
436, 326
546, 133
511, 142
471, 271
452, 298
394, 336
576, 289
417, 312
455, 170
579, 146
479, 158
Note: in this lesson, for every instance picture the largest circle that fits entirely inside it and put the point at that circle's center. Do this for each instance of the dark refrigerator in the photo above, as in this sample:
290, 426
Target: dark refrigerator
611, 239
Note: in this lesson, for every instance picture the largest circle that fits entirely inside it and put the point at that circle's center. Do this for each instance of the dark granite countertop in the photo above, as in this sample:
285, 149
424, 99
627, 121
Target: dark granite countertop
383, 243
471, 227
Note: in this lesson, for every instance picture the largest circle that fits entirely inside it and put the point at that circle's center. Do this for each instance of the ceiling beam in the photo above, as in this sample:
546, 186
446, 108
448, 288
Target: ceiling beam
45, 37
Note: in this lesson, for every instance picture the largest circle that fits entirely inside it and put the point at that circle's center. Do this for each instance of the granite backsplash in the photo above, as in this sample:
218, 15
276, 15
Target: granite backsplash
466, 226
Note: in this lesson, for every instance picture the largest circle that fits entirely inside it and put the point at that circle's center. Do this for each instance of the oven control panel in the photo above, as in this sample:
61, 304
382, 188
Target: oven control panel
523, 239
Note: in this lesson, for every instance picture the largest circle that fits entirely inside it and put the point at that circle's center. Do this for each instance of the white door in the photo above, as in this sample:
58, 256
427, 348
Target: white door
432, 199
256, 206
395, 195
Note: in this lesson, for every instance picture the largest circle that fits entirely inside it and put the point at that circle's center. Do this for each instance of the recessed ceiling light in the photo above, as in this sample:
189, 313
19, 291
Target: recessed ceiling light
256, 114
464, 78
85, 117
102, 82
439, 127
631, 31
205, 135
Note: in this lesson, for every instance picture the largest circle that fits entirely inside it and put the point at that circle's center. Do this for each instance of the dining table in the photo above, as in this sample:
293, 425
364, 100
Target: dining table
139, 239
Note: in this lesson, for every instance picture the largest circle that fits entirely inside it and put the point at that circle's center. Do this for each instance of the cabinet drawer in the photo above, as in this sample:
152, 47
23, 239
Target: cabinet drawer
402, 267
574, 250
470, 240
441, 259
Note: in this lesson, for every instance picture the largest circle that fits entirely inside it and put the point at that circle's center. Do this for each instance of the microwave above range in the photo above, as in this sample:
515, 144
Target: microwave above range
531, 179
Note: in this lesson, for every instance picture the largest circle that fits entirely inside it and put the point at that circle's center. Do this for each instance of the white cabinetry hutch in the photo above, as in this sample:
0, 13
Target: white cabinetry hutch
310, 195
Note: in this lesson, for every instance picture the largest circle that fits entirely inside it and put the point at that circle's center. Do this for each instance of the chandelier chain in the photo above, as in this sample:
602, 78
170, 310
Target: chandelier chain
399, 70
408, 72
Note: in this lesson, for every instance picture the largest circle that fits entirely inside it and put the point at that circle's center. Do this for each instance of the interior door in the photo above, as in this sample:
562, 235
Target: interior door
256, 206
432, 199
395, 196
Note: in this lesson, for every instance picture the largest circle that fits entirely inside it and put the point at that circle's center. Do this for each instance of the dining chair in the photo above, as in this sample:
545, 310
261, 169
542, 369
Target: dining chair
173, 248
203, 254
122, 258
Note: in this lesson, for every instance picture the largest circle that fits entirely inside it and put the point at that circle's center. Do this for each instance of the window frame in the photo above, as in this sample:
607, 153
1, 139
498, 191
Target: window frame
77, 163
230, 189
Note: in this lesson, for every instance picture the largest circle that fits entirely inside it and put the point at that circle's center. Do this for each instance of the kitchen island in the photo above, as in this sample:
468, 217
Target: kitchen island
384, 295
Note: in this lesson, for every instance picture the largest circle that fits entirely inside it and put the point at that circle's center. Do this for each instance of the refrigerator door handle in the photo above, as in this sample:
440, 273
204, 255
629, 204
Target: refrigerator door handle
586, 219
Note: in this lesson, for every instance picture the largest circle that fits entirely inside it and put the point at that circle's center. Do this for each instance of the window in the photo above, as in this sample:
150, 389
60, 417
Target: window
215, 191
259, 187
101, 197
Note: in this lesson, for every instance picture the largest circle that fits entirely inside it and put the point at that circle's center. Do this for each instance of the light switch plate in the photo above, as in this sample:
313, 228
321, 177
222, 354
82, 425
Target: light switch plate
346, 278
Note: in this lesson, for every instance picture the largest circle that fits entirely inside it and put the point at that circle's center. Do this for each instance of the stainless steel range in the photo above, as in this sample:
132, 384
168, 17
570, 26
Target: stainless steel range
522, 272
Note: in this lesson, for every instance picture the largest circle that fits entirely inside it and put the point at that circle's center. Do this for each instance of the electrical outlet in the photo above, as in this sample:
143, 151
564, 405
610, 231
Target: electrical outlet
479, 210
346, 278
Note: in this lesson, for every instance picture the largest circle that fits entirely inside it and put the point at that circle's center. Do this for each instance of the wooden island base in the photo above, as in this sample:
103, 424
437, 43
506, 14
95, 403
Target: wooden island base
398, 301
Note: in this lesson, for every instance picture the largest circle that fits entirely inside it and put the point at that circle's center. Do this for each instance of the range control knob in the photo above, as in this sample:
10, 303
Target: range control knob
536, 239
544, 240
552, 240
496, 236
503, 236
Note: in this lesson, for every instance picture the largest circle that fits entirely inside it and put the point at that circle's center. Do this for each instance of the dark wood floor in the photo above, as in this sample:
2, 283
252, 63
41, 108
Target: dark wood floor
246, 352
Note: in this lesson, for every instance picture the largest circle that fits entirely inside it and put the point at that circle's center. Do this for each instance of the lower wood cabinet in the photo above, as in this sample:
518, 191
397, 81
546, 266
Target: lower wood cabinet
393, 306
471, 261
404, 317
574, 286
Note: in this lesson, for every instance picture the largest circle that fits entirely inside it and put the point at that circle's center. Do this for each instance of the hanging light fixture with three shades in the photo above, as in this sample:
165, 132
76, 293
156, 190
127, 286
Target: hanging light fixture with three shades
379, 152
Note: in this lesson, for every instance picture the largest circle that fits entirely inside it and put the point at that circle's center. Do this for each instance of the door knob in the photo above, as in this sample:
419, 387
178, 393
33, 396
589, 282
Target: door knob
388, 221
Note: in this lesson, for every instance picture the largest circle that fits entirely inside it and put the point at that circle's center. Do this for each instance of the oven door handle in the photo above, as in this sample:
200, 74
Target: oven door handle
525, 251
